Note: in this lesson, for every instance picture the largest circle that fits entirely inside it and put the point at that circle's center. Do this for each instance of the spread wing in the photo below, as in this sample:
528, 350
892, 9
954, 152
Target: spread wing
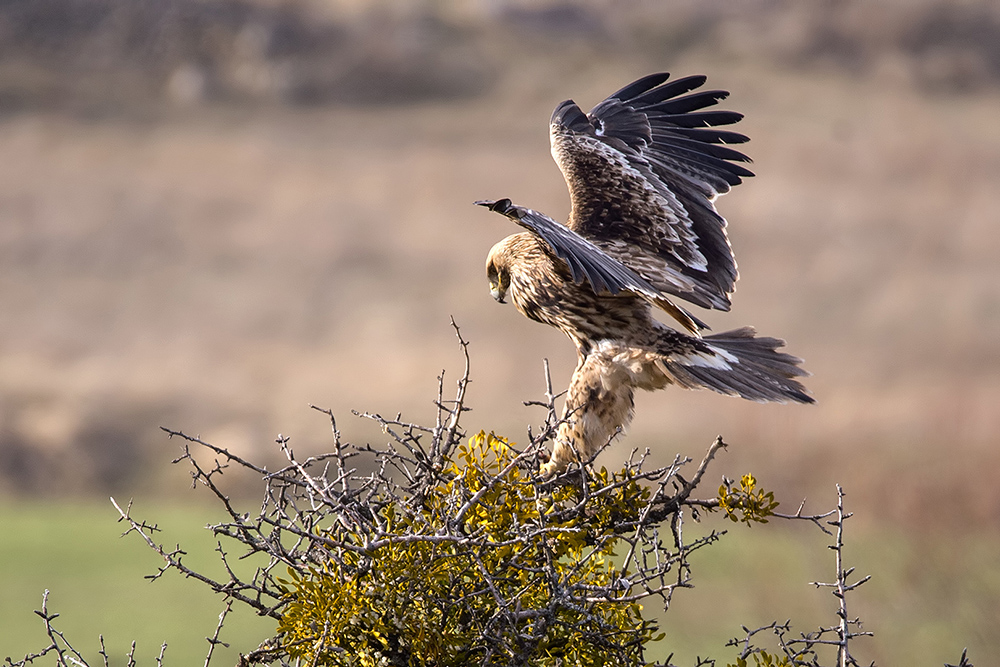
586, 261
643, 169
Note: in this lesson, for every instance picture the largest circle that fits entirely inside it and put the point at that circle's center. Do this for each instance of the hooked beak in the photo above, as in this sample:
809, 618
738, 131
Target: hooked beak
500, 205
497, 294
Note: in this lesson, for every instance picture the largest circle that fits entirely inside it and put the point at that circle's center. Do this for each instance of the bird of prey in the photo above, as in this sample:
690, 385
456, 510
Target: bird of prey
644, 168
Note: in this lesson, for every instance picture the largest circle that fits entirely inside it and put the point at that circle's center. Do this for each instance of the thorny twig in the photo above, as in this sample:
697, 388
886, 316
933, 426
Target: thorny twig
807, 649
66, 655
844, 632
214, 640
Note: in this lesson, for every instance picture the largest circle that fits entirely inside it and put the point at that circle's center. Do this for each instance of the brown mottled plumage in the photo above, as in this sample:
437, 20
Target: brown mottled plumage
643, 170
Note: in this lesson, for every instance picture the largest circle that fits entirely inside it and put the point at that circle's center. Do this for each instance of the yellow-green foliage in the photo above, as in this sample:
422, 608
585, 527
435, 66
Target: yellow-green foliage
480, 556
762, 659
752, 503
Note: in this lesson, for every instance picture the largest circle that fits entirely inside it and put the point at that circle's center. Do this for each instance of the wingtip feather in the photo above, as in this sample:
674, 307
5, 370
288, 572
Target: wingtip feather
640, 86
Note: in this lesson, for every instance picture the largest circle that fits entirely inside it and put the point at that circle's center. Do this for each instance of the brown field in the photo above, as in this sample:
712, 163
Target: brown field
217, 264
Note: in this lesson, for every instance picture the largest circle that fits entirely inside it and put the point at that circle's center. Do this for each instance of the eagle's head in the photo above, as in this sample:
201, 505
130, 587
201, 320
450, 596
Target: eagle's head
514, 258
498, 270
498, 262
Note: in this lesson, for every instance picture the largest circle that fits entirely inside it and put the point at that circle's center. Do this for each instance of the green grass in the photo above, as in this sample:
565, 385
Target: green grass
96, 584
930, 595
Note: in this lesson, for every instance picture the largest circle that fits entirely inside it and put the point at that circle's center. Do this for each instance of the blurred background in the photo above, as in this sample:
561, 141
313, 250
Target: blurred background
216, 212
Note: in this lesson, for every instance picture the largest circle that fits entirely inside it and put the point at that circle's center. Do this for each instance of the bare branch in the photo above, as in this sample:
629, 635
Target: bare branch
214, 641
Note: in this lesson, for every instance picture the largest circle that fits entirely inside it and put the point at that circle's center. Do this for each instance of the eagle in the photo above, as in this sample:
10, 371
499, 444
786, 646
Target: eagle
644, 169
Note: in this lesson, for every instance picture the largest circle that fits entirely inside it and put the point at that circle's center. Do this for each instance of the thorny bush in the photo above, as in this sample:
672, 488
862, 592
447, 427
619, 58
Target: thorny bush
444, 549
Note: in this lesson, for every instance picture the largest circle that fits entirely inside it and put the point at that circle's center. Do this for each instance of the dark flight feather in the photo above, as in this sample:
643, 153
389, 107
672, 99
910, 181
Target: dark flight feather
640, 86
698, 118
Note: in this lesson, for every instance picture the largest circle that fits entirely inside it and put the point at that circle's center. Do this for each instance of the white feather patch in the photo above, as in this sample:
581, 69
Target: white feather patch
720, 359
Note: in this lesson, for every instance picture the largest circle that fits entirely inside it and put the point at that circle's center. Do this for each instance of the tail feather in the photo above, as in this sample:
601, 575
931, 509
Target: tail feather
599, 399
740, 364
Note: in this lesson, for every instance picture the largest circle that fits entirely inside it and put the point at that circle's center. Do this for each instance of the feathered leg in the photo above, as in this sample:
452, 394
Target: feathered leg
598, 404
